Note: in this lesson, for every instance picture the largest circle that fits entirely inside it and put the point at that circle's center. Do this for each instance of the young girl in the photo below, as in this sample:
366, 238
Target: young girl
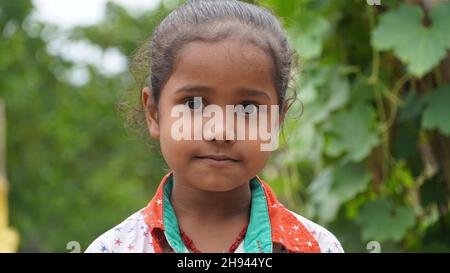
221, 53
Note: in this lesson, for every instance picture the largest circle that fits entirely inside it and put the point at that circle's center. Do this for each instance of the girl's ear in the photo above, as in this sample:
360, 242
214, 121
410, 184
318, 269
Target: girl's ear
151, 113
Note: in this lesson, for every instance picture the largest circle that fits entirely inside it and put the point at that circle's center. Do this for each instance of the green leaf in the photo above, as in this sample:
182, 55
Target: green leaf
336, 185
362, 91
323, 91
395, 27
420, 47
308, 142
353, 132
433, 192
436, 238
339, 91
381, 220
349, 180
400, 178
440, 18
411, 108
422, 53
326, 203
308, 35
437, 111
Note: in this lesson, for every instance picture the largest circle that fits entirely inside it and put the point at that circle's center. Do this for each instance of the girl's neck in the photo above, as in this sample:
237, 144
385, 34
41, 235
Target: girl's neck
210, 205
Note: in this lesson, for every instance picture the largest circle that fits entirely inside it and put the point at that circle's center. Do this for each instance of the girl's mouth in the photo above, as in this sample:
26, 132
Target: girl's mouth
216, 160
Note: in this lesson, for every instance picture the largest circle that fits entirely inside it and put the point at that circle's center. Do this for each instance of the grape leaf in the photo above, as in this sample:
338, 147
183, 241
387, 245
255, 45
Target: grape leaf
441, 23
411, 108
433, 192
336, 185
395, 27
420, 47
338, 87
326, 90
362, 91
348, 180
381, 220
308, 35
352, 132
324, 202
437, 111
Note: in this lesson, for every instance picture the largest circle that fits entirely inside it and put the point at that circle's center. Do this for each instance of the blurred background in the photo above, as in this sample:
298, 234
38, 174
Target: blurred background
369, 159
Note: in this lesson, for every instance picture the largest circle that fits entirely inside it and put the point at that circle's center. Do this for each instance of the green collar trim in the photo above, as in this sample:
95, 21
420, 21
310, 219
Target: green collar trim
258, 238
171, 229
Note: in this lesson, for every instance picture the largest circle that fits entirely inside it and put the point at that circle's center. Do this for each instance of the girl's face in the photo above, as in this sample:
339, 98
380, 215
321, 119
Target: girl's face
226, 71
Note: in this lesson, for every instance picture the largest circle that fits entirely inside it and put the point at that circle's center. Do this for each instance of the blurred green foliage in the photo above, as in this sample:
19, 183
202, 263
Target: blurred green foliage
74, 171
369, 159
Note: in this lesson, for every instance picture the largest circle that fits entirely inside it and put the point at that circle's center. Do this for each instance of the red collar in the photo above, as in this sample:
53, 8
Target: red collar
286, 229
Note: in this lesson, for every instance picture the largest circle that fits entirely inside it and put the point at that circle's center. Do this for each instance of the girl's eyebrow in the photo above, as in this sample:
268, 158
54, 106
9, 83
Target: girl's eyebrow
244, 91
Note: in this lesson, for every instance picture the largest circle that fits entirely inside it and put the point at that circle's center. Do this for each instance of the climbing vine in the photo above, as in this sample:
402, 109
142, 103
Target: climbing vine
370, 156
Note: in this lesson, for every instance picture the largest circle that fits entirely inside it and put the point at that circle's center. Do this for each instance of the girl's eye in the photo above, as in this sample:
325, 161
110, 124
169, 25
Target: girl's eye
247, 108
194, 103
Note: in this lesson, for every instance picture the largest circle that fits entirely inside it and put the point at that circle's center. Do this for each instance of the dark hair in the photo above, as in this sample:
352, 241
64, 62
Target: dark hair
208, 21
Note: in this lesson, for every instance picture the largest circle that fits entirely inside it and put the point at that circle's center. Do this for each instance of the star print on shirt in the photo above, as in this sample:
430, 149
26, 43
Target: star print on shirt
294, 232
103, 249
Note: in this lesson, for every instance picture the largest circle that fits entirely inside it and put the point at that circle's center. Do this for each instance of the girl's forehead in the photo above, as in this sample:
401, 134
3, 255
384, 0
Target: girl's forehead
223, 64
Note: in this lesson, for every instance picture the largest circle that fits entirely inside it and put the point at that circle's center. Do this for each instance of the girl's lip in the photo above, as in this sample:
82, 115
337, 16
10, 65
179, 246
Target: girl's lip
217, 163
217, 157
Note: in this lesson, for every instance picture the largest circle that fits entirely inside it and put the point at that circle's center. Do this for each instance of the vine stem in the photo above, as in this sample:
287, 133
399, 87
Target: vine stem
373, 78
396, 102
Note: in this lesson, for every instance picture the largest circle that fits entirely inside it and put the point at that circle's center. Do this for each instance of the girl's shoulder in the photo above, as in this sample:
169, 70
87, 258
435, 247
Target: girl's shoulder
327, 241
131, 235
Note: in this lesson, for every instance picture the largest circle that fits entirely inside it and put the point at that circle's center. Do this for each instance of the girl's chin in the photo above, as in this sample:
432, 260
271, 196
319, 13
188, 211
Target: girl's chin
217, 187
216, 184
212, 179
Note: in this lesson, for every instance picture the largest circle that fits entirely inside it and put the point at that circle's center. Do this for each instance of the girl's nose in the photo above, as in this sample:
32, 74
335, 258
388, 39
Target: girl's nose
220, 133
